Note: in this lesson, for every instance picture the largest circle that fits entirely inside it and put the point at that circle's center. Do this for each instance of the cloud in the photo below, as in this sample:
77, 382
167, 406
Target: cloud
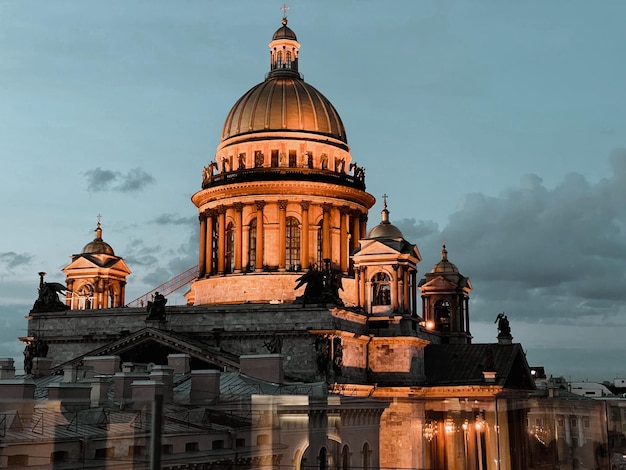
552, 255
173, 219
12, 260
107, 180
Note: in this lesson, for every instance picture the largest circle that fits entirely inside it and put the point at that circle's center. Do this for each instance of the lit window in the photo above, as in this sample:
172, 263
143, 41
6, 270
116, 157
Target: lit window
292, 244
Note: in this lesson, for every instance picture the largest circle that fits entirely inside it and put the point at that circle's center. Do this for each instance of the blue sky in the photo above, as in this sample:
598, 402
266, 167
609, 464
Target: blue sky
495, 127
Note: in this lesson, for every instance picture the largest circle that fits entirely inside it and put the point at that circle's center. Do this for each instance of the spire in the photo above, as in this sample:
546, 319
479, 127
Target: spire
99, 229
384, 214
284, 8
444, 254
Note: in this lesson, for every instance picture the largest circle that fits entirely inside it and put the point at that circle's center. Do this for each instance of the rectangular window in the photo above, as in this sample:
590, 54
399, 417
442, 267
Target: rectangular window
292, 159
274, 161
192, 447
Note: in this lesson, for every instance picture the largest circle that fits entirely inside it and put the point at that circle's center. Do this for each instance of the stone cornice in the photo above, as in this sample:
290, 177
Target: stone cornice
291, 190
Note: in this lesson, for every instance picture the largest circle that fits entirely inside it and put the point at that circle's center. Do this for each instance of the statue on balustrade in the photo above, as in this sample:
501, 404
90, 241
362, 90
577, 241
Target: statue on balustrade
48, 299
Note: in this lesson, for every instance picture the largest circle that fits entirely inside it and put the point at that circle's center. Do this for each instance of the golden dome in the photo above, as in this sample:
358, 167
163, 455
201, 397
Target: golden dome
284, 102
98, 246
444, 266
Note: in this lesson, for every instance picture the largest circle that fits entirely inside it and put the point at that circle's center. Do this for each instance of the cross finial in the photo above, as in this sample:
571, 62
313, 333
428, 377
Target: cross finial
385, 200
99, 219
284, 8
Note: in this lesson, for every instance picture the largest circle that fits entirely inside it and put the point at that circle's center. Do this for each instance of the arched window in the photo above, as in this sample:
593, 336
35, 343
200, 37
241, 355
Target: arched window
252, 246
322, 458
279, 60
366, 457
345, 458
381, 294
215, 241
442, 315
288, 59
229, 264
320, 242
292, 244
85, 297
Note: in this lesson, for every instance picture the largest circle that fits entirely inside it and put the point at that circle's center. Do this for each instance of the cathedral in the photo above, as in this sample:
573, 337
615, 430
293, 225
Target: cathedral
307, 341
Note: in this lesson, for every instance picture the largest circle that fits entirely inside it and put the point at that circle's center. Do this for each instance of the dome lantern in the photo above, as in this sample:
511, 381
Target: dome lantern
284, 49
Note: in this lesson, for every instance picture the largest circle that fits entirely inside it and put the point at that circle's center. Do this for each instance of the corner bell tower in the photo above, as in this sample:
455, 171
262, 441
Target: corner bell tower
445, 302
96, 278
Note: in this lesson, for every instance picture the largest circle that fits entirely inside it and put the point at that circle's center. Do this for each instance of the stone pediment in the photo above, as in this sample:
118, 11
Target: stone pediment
87, 261
152, 337
439, 283
376, 247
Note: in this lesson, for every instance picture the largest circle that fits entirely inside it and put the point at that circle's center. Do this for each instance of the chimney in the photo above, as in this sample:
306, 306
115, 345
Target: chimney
263, 366
134, 367
69, 395
489, 376
103, 365
122, 384
164, 374
7, 369
41, 366
144, 391
99, 390
180, 363
18, 394
205, 385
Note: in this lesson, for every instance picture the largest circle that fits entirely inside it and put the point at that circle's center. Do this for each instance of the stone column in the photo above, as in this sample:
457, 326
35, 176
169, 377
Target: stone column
304, 245
326, 251
238, 235
343, 238
405, 287
282, 234
357, 286
122, 293
208, 269
394, 288
259, 235
363, 222
202, 260
356, 229
70, 299
221, 239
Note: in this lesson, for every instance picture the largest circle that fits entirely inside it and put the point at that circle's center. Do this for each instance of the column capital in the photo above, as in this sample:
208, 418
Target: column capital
305, 205
326, 207
221, 209
238, 206
209, 213
260, 205
282, 204
344, 210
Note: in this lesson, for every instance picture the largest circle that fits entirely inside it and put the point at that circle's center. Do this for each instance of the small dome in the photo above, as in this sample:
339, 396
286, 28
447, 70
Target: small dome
284, 32
98, 246
444, 266
385, 229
